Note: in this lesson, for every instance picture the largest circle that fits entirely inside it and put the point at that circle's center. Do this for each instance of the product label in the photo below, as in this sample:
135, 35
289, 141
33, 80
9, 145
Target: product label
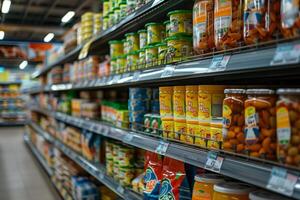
251, 121
179, 105
283, 126
168, 129
192, 107
166, 190
165, 105
180, 130
289, 12
223, 17
253, 13
204, 102
226, 116
151, 181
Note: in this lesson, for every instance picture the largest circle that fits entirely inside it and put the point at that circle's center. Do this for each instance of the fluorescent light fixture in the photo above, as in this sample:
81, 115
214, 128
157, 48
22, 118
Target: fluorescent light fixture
48, 37
23, 64
68, 16
5, 6
2, 34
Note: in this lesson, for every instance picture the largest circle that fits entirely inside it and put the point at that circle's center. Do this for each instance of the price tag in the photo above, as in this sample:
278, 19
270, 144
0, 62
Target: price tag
85, 50
168, 71
162, 148
136, 76
281, 181
127, 138
286, 54
214, 162
219, 63
120, 189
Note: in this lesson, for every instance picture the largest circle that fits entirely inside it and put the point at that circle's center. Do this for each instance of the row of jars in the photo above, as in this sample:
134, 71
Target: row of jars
116, 10
259, 124
91, 24
227, 24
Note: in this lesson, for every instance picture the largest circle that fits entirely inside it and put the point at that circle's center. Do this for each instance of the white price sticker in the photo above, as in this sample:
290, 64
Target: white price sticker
168, 71
120, 189
162, 148
214, 162
219, 63
282, 182
128, 138
286, 54
136, 76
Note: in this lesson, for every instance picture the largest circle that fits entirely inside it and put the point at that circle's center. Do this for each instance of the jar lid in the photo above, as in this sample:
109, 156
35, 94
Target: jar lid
179, 37
115, 42
265, 195
209, 178
130, 34
161, 44
153, 24
232, 188
166, 88
288, 91
142, 31
167, 22
234, 91
111, 13
260, 91
180, 12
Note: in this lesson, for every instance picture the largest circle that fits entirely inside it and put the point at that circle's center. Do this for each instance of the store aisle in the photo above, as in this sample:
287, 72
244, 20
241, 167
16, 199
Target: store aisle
20, 176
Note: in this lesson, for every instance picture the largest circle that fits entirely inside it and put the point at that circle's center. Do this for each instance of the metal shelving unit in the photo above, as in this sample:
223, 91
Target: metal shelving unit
96, 170
248, 170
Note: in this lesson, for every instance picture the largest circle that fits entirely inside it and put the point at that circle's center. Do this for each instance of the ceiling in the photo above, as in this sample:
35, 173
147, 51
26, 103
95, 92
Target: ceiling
31, 20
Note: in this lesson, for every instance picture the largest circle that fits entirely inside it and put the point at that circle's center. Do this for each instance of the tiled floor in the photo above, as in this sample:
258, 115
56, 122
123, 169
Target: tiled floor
21, 177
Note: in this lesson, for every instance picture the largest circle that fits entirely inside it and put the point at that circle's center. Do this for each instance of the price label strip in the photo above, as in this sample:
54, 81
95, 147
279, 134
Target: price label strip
168, 71
162, 148
120, 189
214, 162
219, 63
156, 2
85, 50
105, 131
282, 182
136, 76
286, 54
128, 138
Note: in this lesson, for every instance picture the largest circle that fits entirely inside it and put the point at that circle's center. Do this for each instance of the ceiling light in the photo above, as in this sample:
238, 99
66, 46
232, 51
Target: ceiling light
23, 64
67, 17
48, 37
2, 34
5, 6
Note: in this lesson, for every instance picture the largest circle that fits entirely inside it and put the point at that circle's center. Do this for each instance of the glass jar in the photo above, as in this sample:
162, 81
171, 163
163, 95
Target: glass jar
260, 123
191, 109
233, 120
117, 14
143, 38
181, 22
166, 111
228, 17
116, 48
179, 113
125, 44
204, 186
179, 48
231, 191
133, 41
261, 20
288, 126
111, 19
203, 26
155, 33
290, 19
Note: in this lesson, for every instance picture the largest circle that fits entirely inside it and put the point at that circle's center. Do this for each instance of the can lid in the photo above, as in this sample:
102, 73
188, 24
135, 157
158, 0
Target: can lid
288, 91
180, 12
232, 188
265, 195
153, 24
234, 91
142, 31
134, 53
116, 8
161, 44
260, 91
209, 178
130, 34
167, 22
149, 47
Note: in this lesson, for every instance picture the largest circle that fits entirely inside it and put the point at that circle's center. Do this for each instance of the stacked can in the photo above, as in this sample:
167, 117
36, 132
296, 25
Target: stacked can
166, 111
191, 109
87, 26
179, 113
97, 26
138, 106
126, 156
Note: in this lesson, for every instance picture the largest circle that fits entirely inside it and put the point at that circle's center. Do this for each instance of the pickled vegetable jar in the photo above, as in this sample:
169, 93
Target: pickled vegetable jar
288, 126
181, 22
143, 38
168, 28
133, 41
228, 18
132, 61
179, 48
121, 64
261, 20
260, 123
116, 48
203, 26
162, 52
231, 191
290, 19
179, 112
151, 55
155, 33
204, 186
233, 120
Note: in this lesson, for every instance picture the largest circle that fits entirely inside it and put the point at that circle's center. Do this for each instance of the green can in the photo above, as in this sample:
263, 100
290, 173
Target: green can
147, 123
105, 22
111, 6
162, 52
143, 38
123, 10
121, 64
168, 28
181, 22
151, 52
132, 61
121, 2
142, 59
155, 124
155, 33
179, 47
106, 8
133, 41
116, 48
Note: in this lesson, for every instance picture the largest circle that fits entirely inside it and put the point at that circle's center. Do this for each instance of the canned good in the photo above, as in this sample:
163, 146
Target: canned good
105, 22
142, 59
111, 19
151, 55
231, 190
132, 61
168, 28
143, 38
123, 10
155, 124
133, 41
106, 8
125, 157
121, 64
162, 52
155, 33
116, 48
181, 22
179, 47
126, 175
117, 12
147, 123
113, 65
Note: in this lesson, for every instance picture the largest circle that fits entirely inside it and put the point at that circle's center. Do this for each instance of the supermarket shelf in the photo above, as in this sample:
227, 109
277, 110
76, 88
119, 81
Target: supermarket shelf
13, 123
97, 170
38, 155
151, 11
247, 170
